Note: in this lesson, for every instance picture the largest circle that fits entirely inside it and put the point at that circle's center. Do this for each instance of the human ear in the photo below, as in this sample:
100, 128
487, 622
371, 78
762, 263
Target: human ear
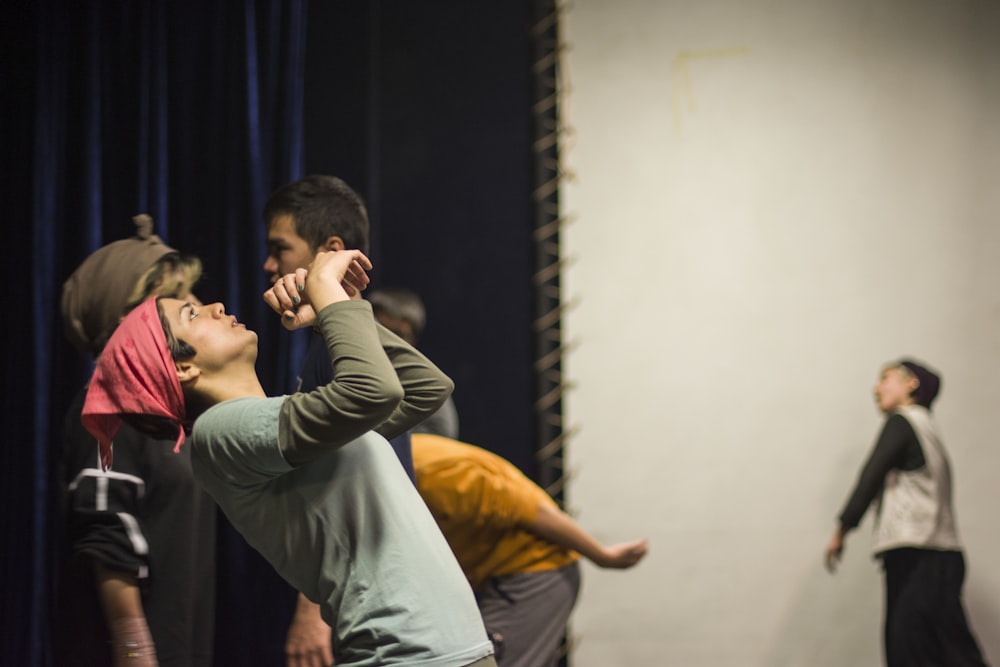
333, 243
187, 371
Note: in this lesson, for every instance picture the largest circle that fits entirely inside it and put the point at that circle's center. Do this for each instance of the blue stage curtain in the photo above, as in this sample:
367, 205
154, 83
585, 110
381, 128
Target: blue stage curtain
192, 111
188, 111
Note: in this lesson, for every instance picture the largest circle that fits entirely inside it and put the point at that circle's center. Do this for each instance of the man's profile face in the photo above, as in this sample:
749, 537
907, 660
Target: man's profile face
286, 250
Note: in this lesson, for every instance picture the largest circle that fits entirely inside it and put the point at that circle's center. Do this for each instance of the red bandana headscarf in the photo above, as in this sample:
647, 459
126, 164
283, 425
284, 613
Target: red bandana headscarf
135, 374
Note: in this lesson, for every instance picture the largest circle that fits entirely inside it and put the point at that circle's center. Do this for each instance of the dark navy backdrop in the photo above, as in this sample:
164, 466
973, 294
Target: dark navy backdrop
193, 112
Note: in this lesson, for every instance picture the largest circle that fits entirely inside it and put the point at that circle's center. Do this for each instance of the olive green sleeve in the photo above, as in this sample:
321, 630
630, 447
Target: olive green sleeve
364, 394
425, 386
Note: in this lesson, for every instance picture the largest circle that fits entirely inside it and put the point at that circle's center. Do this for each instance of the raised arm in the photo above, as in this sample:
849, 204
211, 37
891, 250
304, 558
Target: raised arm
334, 278
365, 390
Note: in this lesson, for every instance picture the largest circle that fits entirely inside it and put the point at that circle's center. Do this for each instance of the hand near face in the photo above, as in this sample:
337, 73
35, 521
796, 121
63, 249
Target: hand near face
332, 277
337, 274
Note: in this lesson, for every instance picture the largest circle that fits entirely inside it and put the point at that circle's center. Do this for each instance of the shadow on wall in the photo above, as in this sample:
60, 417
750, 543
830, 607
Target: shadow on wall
984, 615
832, 620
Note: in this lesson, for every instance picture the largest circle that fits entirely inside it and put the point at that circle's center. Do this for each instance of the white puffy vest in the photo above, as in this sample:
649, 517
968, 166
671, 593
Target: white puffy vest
915, 506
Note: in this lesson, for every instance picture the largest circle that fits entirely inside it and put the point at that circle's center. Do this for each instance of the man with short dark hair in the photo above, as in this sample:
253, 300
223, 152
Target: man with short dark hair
316, 213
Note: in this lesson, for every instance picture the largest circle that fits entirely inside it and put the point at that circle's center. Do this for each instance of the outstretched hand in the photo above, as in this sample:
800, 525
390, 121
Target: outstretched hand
625, 555
834, 550
332, 277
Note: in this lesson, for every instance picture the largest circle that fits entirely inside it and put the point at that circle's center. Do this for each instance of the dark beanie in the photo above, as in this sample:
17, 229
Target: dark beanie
929, 382
95, 295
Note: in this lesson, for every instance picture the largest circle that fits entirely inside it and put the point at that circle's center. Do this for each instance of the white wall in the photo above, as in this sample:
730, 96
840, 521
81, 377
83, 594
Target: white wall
773, 197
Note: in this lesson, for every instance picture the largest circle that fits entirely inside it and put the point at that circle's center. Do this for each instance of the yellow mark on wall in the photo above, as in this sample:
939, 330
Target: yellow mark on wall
680, 75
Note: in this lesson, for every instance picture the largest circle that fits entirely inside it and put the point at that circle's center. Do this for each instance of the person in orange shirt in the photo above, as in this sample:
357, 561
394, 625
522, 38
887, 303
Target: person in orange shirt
519, 551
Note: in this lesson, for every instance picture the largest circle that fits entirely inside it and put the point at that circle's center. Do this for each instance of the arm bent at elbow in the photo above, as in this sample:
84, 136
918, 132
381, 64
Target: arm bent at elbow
425, 386
132, 643
364, 393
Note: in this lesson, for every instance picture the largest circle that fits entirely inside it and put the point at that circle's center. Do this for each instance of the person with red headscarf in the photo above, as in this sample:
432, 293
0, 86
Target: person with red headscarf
309, 479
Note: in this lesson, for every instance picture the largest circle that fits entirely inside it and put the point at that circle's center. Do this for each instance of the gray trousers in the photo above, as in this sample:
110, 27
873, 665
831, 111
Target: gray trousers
530, 611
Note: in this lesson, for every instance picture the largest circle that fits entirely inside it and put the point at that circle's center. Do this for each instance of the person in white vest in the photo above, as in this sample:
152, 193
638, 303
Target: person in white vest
908, 476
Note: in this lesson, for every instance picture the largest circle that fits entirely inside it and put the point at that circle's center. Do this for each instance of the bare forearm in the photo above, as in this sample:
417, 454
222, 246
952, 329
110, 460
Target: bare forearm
131, 640
119, 592
555, 526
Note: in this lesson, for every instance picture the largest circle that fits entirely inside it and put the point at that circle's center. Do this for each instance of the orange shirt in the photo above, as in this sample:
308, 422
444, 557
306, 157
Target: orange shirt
483, 505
